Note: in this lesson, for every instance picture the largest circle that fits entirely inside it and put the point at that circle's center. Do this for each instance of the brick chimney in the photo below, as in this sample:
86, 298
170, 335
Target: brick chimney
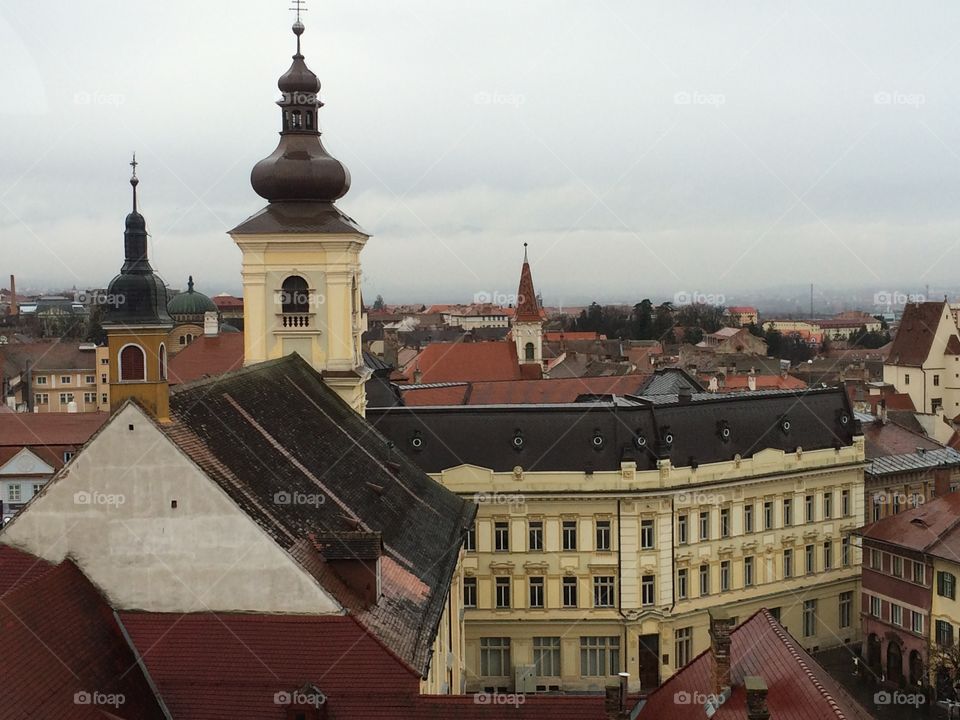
721, 624
756, 698
615, 701
14, 306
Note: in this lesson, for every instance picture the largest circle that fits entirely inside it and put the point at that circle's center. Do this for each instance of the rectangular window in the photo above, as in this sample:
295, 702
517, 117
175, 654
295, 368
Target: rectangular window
828, 505
775, 613
876, 559
603, 591
682, 584
704, 525
845, 508
502, 587
808, 552
546, 656
682, 529
845, 609
808, 508
68, 456
683, 645
809, 618
946, 585
599, 656
569, 534
569, 592
536, 592
724, 575
89, 397
787, 512
647, 590
13, 492
90, 379
936, 381
896, 612
470, 592
896, 566
944, 634
724, 522
919, 573
66, 398
501, 536
646, 535
788, 563
603, 534
828, 556
704, 579
470, 541
845, 551
41, 398
916, 622
66, 379
104, 399
40, 379
747, 571
768, 515
535, 535
748, 518
906, 378
495, 656
104, 361
875, 606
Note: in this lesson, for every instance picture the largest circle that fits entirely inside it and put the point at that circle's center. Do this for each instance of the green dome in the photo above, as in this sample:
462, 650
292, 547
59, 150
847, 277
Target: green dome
190, 302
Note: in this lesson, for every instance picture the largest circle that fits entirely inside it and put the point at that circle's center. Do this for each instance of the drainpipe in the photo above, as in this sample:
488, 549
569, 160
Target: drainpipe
620, 589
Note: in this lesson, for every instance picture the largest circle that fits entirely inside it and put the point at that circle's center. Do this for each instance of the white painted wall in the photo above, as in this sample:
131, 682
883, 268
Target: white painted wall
206, 554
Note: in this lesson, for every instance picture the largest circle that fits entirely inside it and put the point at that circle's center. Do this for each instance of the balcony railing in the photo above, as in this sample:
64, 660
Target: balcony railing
296, 321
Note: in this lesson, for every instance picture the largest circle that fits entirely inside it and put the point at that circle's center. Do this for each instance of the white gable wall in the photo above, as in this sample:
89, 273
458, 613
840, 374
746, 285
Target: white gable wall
110, 511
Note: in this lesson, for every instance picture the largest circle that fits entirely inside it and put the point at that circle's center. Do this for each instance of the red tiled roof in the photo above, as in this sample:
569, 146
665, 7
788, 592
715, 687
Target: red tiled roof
211, 667
207, 356
557, 336
933, 527
798, 688
47, 355
466, 361
916, 333
227, 302
59, 639
882, 440
741, 309
764, 382
517, 392
33, 429
18, 568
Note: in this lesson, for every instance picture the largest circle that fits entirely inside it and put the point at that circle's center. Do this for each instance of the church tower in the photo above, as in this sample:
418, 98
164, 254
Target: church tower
528, 320
136, 322
301, 254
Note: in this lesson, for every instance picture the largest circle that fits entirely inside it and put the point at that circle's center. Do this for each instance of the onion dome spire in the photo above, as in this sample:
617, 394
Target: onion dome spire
300, 169
136, 295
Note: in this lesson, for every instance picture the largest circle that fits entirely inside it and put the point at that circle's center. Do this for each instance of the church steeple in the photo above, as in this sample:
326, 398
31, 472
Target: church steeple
300, 168
528, 318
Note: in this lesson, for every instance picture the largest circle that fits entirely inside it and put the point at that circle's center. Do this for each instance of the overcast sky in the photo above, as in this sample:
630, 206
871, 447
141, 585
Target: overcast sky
641, 148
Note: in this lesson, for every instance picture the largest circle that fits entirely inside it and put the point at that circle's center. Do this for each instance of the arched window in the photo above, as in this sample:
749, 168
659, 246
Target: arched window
183, 339
309, 120
529, 352
295, 120
894, 663
133, 363
163, 361
295, 297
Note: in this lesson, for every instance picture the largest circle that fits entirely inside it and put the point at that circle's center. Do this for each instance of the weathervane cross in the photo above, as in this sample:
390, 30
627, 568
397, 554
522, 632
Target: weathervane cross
134, 163
298, 6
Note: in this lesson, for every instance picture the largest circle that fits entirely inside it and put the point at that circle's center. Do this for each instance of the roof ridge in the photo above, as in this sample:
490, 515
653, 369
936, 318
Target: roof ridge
787, 640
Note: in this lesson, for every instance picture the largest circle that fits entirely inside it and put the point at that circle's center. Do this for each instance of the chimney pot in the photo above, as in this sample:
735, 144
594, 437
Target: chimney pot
211, 324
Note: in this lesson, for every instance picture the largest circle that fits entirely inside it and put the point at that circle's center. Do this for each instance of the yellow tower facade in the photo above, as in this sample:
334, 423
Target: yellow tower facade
301, 254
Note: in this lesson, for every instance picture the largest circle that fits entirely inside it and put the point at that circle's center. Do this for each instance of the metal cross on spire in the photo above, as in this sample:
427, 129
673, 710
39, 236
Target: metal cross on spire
299, 6
133, 180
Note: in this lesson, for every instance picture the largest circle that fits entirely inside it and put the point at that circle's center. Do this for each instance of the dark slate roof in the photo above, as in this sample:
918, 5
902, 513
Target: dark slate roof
59, 639
299, 217
910, 462
275, 430
669, 381
349, 545
563, 437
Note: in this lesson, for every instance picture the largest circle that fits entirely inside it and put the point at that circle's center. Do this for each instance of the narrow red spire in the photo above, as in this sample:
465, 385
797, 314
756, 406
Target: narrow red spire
528, 308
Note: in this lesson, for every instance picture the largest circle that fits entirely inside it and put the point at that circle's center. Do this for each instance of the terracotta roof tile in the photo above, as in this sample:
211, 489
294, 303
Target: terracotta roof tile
207, 356
916, 333
466, 361
51, 429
